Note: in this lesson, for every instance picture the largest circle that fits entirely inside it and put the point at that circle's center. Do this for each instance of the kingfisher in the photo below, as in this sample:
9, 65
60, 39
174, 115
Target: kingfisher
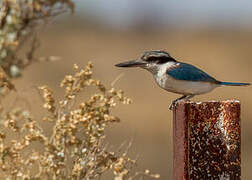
177, 77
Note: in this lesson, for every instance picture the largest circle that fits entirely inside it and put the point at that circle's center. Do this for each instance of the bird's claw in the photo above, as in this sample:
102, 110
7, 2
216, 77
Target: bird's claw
172, 105
183, 98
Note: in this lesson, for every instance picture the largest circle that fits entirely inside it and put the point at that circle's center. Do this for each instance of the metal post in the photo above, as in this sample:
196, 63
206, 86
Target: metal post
207, 141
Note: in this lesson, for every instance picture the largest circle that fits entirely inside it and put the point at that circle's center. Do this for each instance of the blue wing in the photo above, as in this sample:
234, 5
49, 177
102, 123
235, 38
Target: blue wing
189, 72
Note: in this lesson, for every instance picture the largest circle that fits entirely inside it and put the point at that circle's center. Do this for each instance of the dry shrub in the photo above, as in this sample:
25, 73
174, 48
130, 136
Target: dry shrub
75, 149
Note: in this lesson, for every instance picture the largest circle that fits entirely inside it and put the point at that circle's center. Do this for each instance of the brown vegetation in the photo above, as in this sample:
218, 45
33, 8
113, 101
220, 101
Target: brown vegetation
75, 147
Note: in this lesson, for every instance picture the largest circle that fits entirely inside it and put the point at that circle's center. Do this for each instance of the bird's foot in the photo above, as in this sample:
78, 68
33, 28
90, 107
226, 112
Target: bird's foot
183, 98
173, 105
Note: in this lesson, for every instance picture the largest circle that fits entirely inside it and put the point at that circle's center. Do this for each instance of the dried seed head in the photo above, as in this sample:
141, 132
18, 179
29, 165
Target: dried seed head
75, 149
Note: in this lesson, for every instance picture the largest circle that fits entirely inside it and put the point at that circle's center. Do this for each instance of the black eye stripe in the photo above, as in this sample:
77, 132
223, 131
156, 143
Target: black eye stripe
160, 60
163, 60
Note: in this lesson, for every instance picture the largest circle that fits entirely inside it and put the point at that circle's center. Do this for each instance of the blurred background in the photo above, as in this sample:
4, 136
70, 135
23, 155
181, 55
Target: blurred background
213, 35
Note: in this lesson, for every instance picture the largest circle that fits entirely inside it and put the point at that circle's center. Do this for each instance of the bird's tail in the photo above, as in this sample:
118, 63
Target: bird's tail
233, 84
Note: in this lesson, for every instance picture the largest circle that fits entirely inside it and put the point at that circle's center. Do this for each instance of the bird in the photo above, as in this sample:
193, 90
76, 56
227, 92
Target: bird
175, 76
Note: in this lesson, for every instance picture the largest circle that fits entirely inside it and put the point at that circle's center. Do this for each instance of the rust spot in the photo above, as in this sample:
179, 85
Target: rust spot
207, 140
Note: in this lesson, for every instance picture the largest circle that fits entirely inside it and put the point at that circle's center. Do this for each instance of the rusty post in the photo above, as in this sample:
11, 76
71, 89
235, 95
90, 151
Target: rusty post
207, 141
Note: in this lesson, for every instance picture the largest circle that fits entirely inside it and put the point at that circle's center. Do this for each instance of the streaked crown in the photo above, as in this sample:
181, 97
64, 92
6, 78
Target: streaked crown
158, 57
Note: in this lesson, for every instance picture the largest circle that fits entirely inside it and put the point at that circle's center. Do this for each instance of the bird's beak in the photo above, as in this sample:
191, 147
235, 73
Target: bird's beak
133, 63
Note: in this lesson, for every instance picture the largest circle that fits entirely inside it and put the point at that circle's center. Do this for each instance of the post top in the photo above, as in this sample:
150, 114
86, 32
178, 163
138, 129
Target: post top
211, 101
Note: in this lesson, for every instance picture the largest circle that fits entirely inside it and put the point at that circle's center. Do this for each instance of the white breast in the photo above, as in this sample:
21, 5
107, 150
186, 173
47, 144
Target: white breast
180, 86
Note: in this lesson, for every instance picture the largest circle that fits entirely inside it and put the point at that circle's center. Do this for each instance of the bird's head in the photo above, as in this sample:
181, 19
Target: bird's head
150, 60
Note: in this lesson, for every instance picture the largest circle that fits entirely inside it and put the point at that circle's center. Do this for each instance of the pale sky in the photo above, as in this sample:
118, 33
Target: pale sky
178, 12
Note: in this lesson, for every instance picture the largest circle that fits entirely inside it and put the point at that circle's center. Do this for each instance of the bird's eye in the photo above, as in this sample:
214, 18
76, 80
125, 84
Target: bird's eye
152, 59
